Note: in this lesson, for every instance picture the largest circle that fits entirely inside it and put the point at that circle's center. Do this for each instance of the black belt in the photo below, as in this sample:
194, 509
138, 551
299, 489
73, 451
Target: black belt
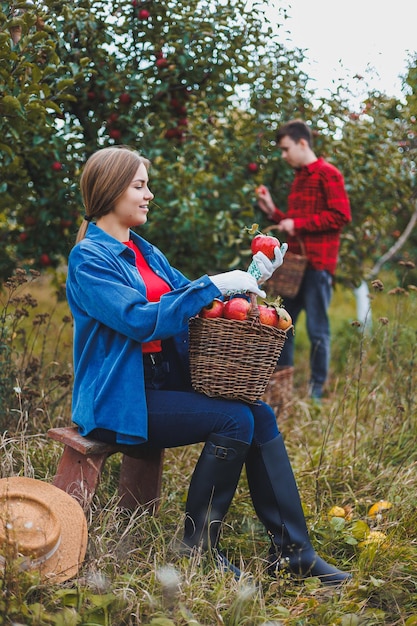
154, 358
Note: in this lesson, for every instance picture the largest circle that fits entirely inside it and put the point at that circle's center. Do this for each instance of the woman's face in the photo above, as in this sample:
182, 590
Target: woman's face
132, 207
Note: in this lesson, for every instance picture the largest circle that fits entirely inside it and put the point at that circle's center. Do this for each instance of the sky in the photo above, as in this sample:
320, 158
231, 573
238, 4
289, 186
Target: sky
372, 38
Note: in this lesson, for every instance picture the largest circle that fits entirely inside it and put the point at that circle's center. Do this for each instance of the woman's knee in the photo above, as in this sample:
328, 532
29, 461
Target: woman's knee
244, 423
266, 427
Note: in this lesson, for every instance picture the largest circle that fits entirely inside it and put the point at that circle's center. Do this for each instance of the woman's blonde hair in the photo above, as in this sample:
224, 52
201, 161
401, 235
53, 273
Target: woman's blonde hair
105, 177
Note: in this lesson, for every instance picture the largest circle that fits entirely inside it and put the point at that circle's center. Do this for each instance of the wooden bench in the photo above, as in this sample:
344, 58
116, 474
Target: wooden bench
82, 462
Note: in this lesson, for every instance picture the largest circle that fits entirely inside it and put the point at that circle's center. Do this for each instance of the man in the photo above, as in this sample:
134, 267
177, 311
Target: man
318, 208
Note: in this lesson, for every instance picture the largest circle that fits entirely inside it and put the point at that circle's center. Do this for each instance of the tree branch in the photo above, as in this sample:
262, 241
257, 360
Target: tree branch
397, 245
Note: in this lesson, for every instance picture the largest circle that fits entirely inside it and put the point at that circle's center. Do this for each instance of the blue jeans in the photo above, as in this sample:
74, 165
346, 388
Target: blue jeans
178, 416
314, 297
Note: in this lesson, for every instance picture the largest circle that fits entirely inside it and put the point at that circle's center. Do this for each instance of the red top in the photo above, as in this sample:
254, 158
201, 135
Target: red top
319, 205
155, 288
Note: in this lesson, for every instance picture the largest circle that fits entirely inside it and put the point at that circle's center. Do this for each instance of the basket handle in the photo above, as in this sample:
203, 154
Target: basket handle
254, 310
300, 241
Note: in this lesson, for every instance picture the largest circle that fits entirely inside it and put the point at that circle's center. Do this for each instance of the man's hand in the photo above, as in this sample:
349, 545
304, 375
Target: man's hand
264, 200
287, 226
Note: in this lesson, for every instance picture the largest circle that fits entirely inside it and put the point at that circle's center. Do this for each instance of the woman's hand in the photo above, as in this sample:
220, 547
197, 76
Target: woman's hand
237, 281
263, 268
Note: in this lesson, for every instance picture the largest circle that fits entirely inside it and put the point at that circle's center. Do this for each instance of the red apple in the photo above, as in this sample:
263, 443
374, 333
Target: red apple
56, 166
171, 133
115, 133
284, 318
260, 190
212, 310
268, 315
237, 309
253, 167
44, 259
265, 244
143, 14
161, 62
124, 98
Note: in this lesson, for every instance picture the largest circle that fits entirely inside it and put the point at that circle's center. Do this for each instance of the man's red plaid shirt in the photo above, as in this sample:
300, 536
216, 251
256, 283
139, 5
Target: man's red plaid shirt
319, 205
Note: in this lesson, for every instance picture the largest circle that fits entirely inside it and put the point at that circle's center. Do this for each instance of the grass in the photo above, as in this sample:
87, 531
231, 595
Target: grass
356, 448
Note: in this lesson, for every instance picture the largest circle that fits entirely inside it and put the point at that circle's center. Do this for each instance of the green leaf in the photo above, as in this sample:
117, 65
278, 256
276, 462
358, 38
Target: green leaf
360, 529
64, 83
50, 104
10, 104
351, 541
377, 582
337, 523
350, 619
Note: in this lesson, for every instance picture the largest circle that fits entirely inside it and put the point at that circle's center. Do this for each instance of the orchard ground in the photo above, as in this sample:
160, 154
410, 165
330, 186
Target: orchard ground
354, 450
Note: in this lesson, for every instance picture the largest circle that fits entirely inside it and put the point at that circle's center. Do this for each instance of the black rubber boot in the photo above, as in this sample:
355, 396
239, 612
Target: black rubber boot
211, 490
277, 503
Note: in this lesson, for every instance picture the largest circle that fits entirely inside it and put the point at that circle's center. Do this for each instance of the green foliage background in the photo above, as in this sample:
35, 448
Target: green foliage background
199, 88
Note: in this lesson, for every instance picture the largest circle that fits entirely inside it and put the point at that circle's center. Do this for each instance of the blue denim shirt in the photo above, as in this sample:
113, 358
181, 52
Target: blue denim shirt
112, 317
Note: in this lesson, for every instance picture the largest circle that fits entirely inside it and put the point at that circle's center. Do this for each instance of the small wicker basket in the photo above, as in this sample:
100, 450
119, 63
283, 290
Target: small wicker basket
279, 391
231, 358
286, 280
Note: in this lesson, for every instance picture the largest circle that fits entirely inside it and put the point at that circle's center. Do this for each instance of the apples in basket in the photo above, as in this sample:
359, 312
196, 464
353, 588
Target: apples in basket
235, 346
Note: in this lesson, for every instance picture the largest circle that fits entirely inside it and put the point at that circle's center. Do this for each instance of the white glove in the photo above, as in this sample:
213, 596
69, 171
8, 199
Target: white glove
236, 281
262, 268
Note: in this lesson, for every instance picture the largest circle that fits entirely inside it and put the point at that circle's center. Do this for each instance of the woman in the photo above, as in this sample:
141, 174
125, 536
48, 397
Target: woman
131, 381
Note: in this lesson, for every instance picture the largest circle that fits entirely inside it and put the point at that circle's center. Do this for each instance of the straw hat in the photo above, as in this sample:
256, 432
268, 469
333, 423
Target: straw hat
42, 528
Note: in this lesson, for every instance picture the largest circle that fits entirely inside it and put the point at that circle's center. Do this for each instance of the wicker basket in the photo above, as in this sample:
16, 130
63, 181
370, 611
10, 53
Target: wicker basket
278, 393
286, 280
233, 359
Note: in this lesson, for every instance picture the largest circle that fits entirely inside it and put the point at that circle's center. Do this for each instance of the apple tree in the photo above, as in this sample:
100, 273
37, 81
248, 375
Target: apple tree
378, 162
33, 93
200, 89
172, 79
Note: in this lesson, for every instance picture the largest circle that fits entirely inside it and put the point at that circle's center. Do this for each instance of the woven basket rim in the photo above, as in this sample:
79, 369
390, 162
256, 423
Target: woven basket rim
220, 351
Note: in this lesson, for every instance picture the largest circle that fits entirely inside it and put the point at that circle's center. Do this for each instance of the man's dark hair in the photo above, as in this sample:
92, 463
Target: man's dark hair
295, 130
